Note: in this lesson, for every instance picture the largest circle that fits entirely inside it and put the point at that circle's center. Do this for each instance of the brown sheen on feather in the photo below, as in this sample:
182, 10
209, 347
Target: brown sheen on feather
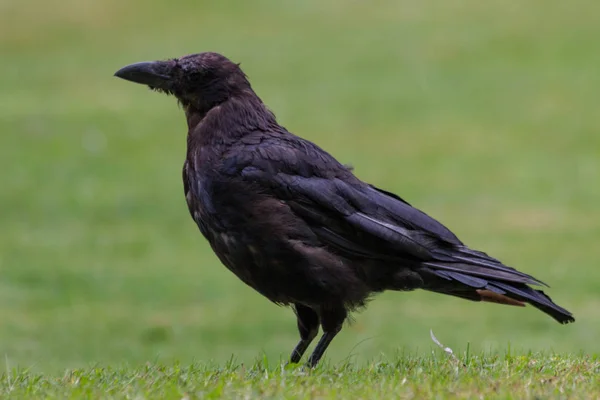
491, 297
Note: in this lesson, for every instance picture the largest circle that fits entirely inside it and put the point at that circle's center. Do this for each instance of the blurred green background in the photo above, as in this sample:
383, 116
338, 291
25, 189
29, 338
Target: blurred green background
483, 114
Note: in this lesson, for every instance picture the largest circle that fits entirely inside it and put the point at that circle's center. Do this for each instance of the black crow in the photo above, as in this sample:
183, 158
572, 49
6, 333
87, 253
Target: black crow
296, 225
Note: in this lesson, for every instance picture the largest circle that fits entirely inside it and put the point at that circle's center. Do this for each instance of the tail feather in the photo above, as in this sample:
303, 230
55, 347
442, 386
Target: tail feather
493, 297
469, 269
471, 281
539, 300
464, 259
475, 276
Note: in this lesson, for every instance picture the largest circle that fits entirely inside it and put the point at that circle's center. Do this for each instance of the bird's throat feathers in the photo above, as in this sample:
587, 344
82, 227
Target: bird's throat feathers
229, 120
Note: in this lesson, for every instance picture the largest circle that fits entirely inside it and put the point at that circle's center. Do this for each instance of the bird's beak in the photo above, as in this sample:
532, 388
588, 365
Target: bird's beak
156, 74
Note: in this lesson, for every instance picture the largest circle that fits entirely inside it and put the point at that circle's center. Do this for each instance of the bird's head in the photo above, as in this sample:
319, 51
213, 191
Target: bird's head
201, 80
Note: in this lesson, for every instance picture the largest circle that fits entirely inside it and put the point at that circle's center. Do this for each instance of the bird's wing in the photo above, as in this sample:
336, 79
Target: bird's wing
299, 170
357, 219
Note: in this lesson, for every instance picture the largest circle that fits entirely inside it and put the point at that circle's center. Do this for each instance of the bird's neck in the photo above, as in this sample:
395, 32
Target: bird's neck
228, 121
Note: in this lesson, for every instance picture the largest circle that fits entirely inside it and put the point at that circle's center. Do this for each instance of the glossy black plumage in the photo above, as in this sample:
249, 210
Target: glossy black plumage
299, 227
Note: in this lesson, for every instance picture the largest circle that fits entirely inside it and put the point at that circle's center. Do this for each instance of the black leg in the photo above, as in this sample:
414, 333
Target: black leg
331, 322
308, 326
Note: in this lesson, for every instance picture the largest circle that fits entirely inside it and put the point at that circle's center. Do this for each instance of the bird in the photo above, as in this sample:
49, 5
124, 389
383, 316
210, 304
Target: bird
301, 228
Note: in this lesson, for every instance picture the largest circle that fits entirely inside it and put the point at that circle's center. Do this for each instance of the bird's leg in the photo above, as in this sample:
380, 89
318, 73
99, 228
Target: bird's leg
308, 326
331, 322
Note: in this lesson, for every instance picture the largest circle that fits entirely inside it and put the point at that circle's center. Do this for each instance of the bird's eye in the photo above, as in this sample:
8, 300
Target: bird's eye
196, 76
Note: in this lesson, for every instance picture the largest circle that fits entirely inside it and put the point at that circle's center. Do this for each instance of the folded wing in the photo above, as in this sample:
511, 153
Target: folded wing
360, 220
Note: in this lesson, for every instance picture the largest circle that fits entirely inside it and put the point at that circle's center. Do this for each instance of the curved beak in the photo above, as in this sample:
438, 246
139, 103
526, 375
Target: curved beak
157, 74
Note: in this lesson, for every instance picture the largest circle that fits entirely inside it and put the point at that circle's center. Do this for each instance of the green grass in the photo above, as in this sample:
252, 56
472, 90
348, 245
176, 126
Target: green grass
485, 115
531, 376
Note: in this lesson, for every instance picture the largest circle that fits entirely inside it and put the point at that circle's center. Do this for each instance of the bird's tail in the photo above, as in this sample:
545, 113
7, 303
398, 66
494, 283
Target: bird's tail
475, 276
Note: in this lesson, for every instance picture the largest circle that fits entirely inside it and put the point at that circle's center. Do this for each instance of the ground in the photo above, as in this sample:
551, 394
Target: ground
408, 377
485, 115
